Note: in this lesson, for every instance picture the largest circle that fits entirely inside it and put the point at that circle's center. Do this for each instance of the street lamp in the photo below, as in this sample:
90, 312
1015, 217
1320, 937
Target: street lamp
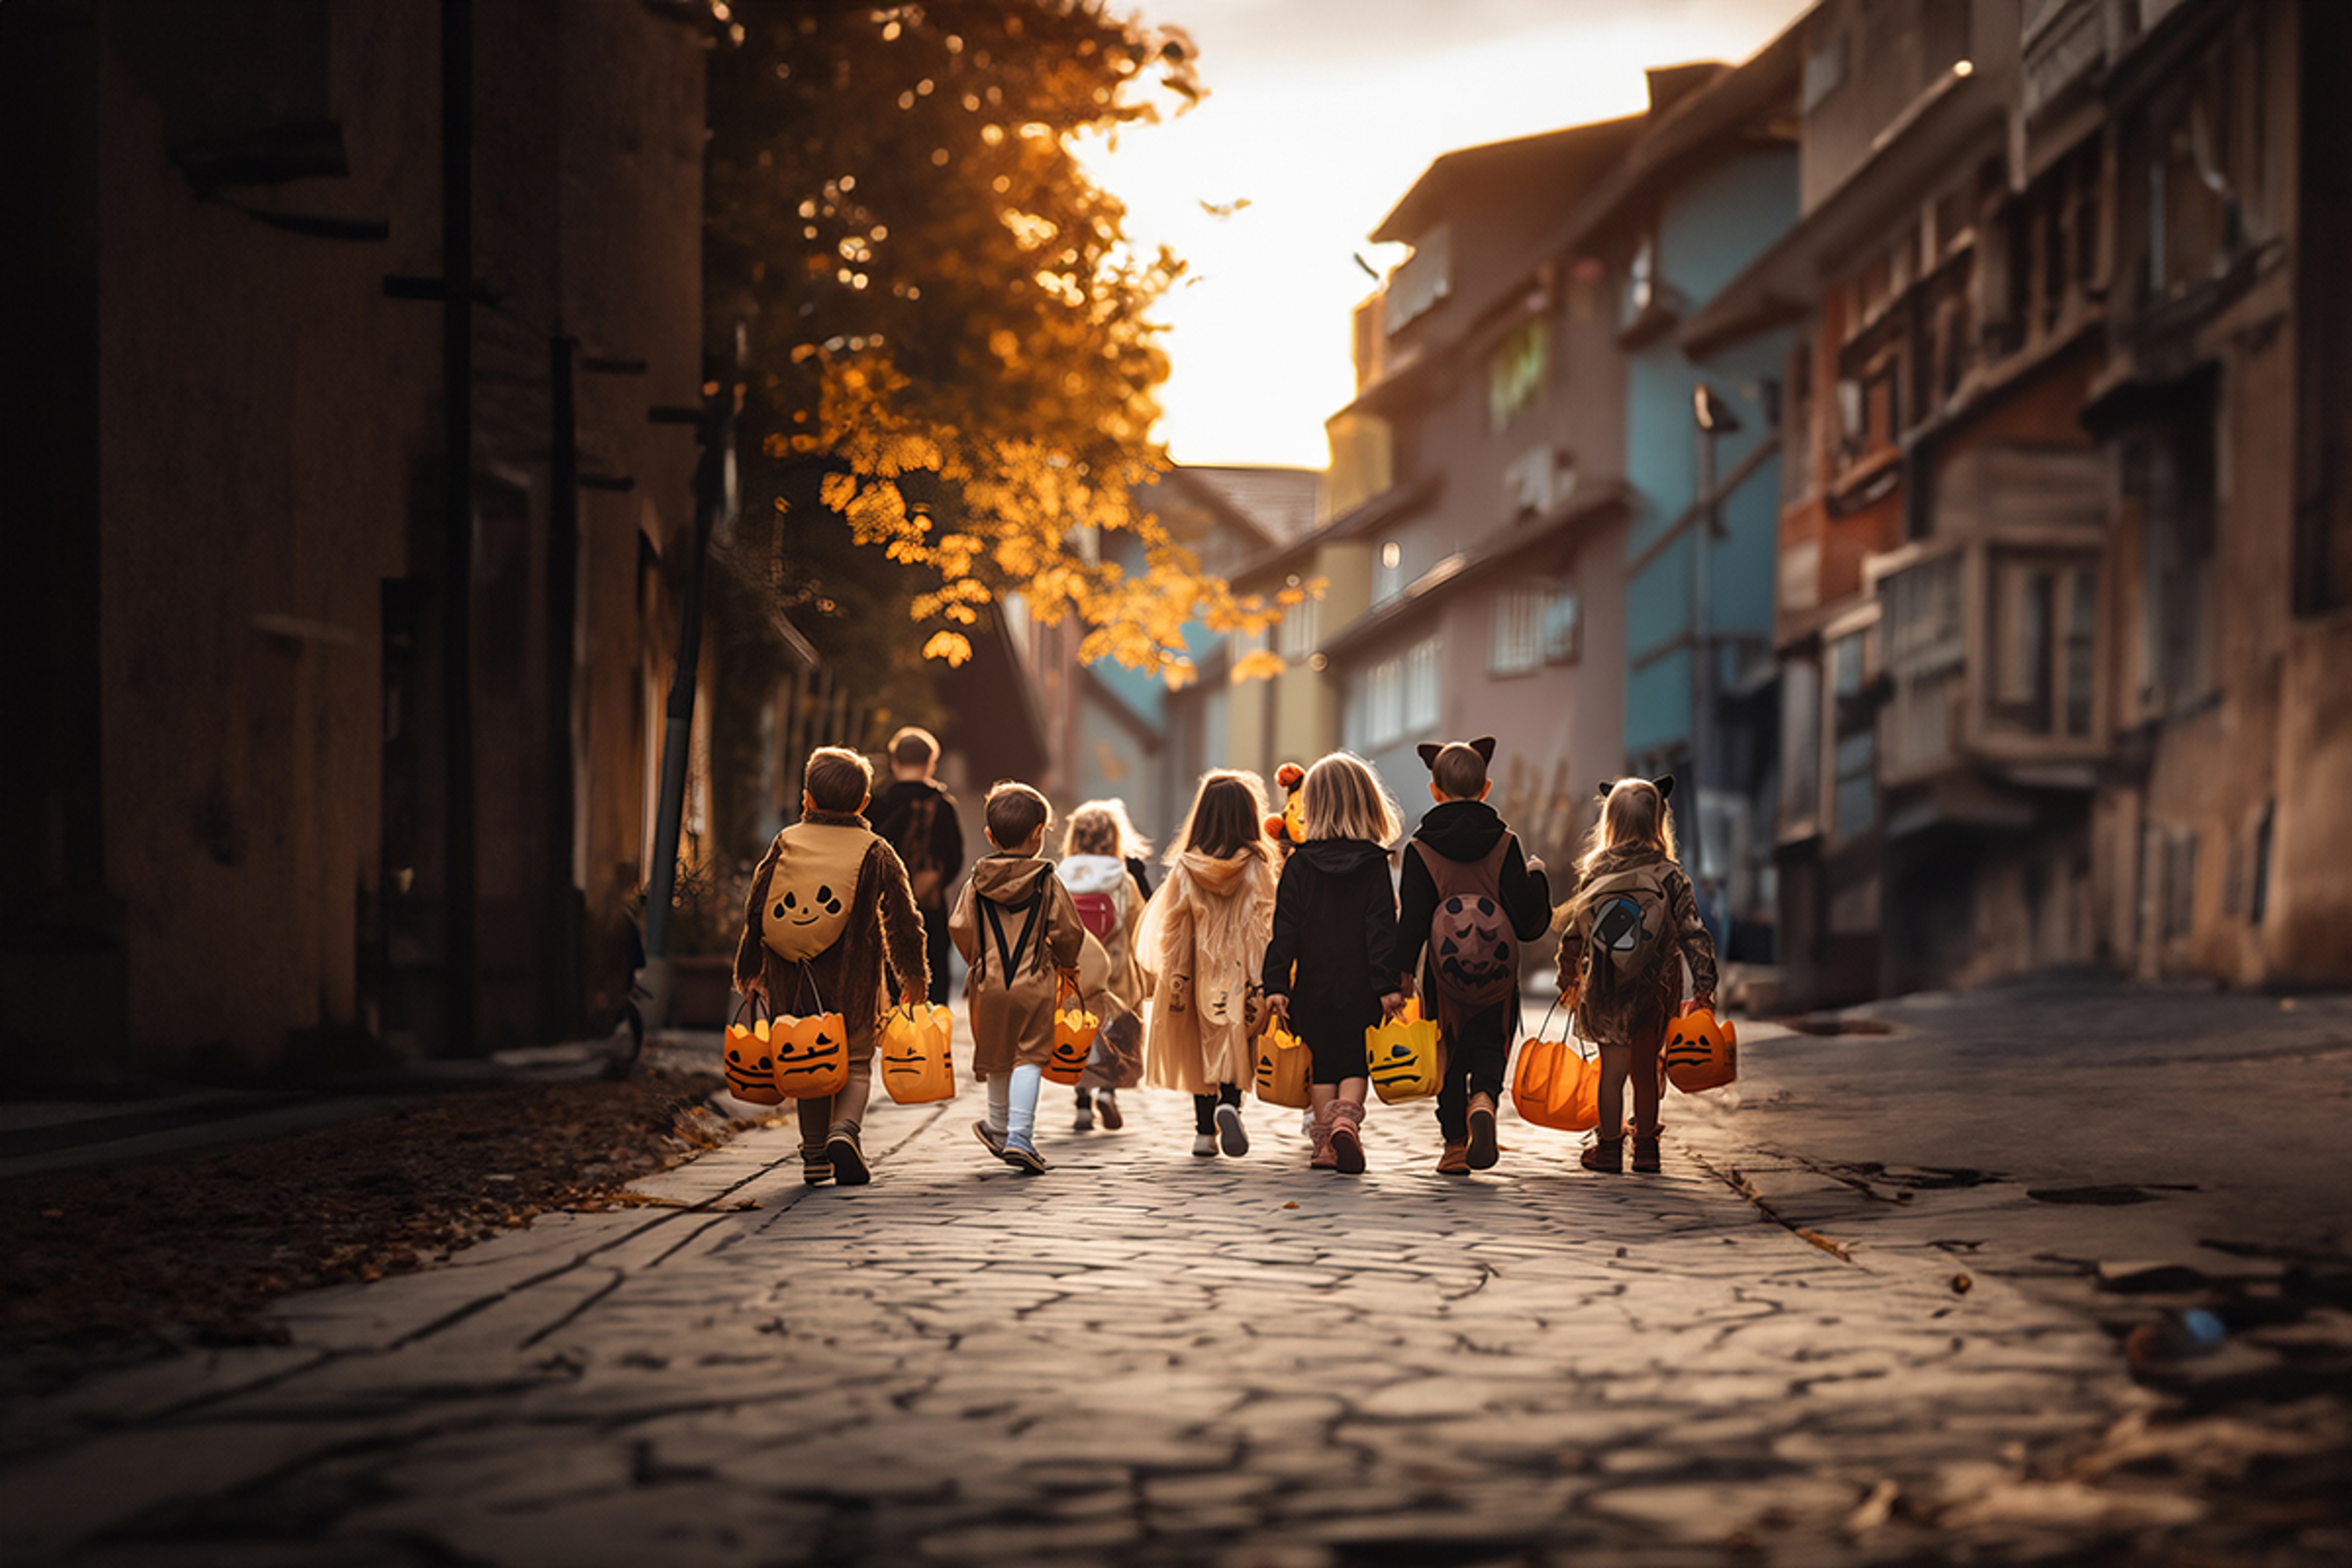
1716, 418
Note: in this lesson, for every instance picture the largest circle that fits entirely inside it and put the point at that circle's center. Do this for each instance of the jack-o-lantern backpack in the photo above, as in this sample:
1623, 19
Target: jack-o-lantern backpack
1474, 954
806, 904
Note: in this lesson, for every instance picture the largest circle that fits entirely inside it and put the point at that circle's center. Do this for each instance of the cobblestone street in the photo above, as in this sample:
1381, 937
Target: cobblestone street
1142, 1357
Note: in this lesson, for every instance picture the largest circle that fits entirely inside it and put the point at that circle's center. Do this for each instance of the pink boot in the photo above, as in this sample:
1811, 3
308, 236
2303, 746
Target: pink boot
1323, 1159
1348, 1137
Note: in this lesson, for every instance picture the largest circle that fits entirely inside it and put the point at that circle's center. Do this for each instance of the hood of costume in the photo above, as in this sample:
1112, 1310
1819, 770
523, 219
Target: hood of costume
1461, 829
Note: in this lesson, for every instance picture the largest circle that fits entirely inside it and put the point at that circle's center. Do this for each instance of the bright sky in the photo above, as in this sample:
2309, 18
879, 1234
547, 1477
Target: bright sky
1320, 114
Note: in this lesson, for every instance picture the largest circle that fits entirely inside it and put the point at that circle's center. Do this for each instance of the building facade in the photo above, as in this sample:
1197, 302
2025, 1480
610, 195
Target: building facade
246, 692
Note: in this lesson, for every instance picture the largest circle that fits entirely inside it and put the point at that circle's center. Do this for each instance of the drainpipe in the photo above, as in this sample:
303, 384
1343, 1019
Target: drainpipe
1714, 419
457, 519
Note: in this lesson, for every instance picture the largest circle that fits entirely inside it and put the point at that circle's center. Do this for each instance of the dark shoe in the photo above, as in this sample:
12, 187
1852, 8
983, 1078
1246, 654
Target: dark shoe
816, 1169
1483, 1152
1455, 1161
1021, 1155
1348, 1137
1609, 1155
1085, 1120
1106, 1106
1645, 1153
993, 1140
1232, 1136
849, 1167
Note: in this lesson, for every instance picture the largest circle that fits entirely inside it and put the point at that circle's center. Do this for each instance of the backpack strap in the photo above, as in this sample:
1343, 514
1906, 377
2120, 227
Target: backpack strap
992, 912
1482, 878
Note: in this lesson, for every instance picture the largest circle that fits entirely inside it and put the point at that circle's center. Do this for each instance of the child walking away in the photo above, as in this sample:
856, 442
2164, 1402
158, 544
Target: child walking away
918, 818
1471, 896
829, 906
1102, 867
1632, 915
1019, 932
1204, 940
1330, 967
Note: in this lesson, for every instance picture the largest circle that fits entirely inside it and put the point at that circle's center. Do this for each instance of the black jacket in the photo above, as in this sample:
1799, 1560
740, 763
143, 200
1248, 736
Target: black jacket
893, 815
1335, 920
1465, 830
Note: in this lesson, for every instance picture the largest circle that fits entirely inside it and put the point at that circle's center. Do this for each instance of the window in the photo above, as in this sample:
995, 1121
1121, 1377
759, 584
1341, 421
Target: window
1927, 665
1800, 731
1422, 685
1534, 627
1384, 702
1518, 632
2172, 470
1515, 372
1302, 628
1854, 748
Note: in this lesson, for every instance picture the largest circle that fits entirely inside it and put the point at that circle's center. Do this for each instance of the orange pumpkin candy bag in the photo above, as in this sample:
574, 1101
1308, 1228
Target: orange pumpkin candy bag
1554, 1084
916, 1066
1401, 1055
1701, 1052
1283, 1067
749, 1061
1074, 1040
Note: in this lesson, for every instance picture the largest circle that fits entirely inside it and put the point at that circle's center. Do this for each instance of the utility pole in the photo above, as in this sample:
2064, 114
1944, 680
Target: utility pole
714, 508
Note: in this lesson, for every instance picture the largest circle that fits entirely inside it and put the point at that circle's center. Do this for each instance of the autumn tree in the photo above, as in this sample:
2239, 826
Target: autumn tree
953, 365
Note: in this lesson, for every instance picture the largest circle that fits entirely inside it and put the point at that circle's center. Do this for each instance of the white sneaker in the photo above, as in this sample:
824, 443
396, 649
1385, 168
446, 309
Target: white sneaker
1204, 1146
1086, 1119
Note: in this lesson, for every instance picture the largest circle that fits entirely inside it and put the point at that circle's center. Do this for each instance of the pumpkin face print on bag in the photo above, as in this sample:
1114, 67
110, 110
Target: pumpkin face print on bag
917, 1067
1401, 1055
1473, 951
1701, 1051
812, 1055
751, 1064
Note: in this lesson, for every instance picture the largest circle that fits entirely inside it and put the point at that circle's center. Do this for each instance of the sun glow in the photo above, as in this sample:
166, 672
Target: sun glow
1320, 115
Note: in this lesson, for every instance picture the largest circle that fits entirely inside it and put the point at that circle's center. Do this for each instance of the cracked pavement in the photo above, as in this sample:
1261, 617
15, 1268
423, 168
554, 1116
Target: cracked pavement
1142, 1357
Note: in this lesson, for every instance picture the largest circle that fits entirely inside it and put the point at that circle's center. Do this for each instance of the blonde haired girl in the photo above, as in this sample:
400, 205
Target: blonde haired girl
1204, 941
1330, 966
1102, 867
1633, 924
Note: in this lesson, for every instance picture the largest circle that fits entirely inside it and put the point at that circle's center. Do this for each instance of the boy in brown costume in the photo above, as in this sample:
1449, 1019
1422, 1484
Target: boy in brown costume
1018, 929
828, 906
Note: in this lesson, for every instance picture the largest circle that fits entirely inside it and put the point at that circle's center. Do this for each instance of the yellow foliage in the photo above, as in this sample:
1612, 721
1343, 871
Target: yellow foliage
951, 647
1258, 664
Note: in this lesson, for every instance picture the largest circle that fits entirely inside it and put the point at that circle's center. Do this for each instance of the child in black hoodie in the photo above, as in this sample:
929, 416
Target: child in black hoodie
1468, 890
1330, 968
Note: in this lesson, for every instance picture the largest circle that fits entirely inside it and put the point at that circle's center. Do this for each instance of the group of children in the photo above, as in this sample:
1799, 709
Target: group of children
1255, 924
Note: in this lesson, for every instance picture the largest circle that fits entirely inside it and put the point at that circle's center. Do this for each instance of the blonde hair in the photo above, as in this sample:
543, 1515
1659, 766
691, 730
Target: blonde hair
1102, 828
1633, 813
1345, 799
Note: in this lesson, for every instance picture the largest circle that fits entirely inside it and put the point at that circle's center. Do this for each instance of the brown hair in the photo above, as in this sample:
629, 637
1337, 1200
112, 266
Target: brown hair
1228, 816
1458, 769
914, 748
1633, 813
1101, 827
838, 779
1345, 799
1016, 813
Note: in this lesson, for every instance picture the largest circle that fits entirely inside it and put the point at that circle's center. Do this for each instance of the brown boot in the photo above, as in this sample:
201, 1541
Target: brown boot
1482, 1146
1323, 1159
1608, 1155
1348, 1136
1455, 1161
1645, 1152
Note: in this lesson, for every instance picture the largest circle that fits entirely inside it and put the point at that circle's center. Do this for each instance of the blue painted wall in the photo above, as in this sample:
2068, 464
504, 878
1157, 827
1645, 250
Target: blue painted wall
1709, 231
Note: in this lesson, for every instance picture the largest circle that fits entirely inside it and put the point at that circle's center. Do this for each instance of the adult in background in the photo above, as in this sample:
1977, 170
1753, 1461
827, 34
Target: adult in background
919, 820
